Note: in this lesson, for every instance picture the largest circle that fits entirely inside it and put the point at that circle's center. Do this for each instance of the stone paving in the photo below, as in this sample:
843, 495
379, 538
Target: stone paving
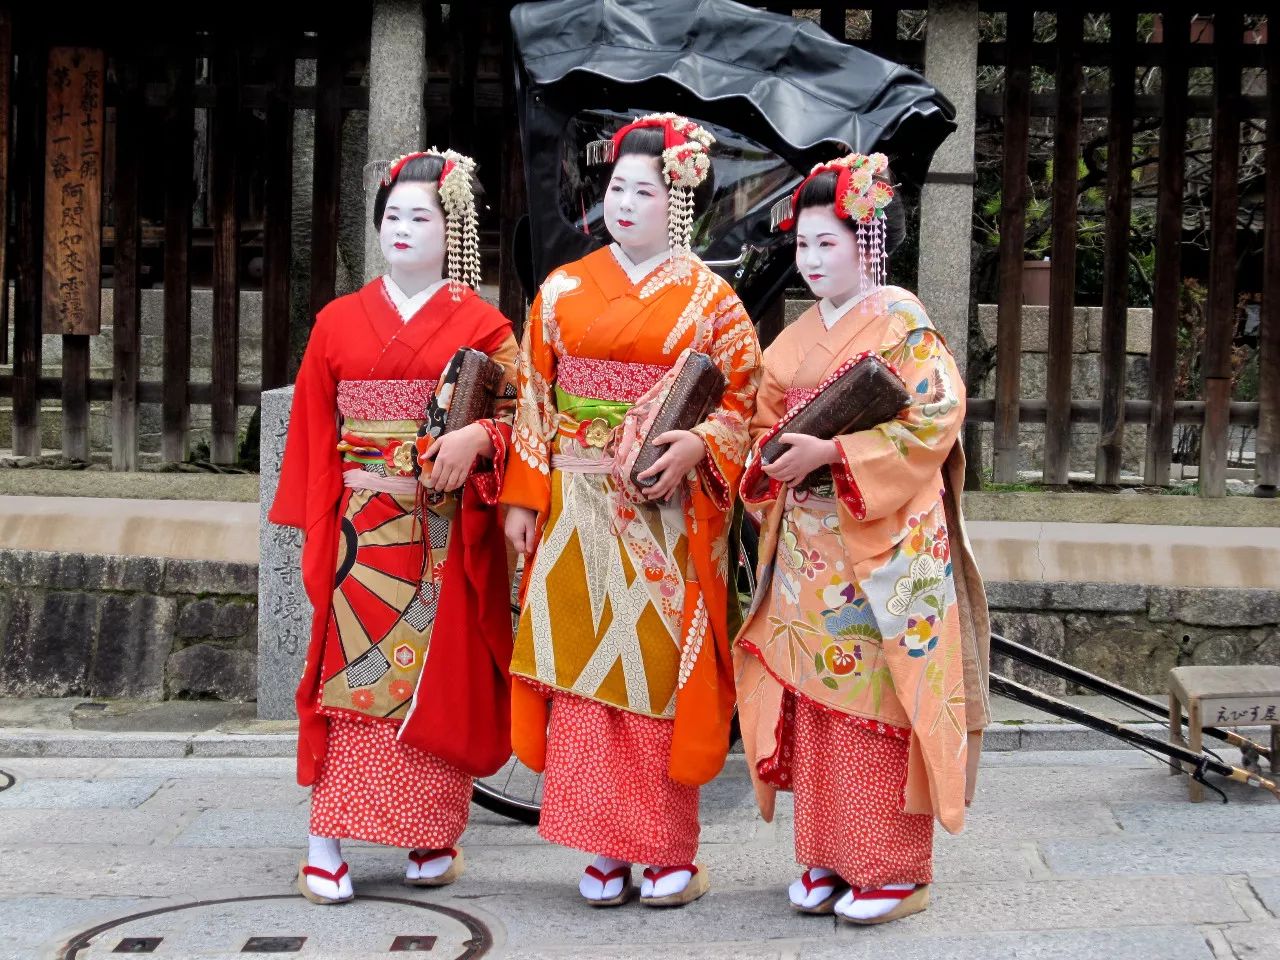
1068, 854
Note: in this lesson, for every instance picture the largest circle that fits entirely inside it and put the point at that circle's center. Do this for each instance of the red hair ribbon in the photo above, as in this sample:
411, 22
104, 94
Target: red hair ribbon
671, 137
394, 172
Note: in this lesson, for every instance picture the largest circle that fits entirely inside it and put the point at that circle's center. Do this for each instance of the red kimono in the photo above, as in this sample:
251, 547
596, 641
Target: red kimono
404, 696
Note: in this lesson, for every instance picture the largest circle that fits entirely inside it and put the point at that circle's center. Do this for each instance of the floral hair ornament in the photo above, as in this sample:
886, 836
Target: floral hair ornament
686, 163
457, 198
862, 194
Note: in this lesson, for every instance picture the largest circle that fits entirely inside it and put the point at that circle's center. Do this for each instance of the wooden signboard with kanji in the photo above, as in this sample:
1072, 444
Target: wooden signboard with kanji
73, 191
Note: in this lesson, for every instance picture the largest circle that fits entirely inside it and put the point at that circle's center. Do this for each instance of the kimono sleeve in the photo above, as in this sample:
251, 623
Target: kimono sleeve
528, 478
736, 351
311, 443
758, 491
486, 478
882, 469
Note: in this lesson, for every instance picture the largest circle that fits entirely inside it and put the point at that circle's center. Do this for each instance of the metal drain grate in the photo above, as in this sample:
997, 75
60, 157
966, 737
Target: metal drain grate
412, 944
138, 945
273, 944
466, 938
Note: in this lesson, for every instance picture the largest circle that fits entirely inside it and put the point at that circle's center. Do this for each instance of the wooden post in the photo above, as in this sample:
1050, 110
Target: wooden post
1062, 275
178, 138
223, 212
1168, 272
884, 29
1017, 112
279, 203
127, 334
832, 19
326, 157
28, 265
73, 191
6, 97
464, 51
1115, 267
1220, 327
513, 200
1268, 446
74, 135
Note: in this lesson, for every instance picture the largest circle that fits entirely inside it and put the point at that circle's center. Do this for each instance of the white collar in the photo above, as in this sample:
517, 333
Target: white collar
638, 271
832, 315
406, 305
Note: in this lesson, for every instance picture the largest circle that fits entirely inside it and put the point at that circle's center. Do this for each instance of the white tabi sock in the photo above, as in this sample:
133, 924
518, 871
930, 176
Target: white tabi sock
667, 886
815, 893
325, 853
430, 869
593, 889
858, 906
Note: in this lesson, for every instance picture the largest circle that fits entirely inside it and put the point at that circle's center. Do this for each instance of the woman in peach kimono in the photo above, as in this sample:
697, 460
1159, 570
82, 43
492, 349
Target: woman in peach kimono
862, 667
622, 678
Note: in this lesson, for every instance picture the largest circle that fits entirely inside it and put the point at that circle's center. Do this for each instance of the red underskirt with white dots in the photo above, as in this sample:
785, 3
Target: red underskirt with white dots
606, 789
848, 784
376, 789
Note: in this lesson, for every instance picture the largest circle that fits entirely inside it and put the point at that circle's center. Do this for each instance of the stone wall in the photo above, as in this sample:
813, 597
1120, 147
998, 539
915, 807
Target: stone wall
142, 627
1134, 634
152, 629
1086, 374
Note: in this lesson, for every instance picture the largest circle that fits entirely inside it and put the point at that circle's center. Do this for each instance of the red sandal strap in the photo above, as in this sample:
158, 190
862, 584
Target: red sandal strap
595, 873
655, 874
880, 893
428, 855
830, 881
334, 877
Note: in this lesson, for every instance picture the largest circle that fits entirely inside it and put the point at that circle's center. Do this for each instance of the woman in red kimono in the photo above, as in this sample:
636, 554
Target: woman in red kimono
862, 667
623, 633
404, 695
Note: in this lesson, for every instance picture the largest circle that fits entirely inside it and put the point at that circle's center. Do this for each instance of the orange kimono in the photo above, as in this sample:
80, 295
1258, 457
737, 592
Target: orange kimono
862, 665
623, 628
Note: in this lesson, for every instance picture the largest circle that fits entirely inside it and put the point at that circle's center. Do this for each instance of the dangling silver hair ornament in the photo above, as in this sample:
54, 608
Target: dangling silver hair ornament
861, 196
457, 198
686, 164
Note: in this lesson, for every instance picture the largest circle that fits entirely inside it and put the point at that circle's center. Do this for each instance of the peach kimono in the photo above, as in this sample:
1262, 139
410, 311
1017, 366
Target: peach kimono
862, 666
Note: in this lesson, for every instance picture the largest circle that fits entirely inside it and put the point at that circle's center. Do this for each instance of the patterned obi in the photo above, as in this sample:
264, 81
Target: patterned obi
380, 420
796, 396
593, 396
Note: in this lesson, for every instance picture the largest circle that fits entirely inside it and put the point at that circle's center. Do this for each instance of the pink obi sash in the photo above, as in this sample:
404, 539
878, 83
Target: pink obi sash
796, 396
364, 480
614, 380
385, 399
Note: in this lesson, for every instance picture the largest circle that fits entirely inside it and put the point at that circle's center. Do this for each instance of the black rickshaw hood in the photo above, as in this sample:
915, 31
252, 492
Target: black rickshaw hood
780, 81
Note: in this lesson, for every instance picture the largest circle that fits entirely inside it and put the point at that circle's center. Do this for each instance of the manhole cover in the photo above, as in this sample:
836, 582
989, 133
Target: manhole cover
285, 925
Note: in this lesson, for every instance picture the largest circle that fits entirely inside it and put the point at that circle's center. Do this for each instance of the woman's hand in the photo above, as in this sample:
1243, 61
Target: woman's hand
522, 529
685, 450
804, 455
453, 456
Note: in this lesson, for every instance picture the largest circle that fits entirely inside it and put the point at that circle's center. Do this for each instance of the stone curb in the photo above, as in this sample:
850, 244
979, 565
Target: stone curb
26, 742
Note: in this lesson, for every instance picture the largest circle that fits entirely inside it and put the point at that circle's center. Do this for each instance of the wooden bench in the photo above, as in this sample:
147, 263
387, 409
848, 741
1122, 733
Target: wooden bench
1223, 697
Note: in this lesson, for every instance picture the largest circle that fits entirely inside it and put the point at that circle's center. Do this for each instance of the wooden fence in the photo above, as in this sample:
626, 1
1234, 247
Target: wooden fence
243, 85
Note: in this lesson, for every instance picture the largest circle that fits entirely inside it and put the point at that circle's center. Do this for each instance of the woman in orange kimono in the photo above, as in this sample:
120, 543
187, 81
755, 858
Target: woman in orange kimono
404, 695
862, 667
623, 633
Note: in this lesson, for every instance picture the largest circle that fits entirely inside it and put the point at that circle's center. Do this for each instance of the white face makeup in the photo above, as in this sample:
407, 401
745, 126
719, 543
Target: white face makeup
635, 207
412, 234
827, 254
